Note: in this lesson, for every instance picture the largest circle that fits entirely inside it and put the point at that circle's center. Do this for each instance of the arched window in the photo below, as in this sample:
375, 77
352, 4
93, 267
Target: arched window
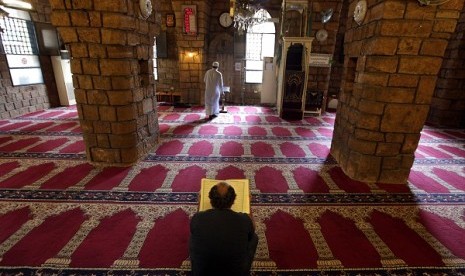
259, 44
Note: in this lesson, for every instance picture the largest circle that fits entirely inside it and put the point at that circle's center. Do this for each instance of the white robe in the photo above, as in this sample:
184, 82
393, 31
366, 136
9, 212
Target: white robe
213, 88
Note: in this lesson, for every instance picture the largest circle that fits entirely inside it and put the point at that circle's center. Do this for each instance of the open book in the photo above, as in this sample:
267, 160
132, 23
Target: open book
241, 187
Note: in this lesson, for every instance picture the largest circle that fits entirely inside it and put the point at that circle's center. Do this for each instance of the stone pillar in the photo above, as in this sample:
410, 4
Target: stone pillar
448, 105
111, 49
192, 49
391, 61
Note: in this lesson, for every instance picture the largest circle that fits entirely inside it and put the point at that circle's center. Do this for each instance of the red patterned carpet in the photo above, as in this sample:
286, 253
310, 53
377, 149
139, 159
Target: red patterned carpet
60, 215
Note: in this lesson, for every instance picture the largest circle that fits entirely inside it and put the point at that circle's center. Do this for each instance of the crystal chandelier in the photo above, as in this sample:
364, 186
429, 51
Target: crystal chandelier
246, 15
432, 2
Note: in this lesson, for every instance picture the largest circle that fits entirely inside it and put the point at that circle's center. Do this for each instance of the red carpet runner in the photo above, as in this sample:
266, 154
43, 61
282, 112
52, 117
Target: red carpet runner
61, 215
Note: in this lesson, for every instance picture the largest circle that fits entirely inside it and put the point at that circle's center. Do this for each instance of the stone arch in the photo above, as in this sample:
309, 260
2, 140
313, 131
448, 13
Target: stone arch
222, 43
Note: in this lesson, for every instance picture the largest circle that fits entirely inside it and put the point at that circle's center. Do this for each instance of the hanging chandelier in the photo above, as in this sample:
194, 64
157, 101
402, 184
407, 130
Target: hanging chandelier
432, 2
245, 14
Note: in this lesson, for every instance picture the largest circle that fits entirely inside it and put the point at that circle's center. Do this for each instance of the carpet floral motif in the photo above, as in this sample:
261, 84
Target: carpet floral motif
61, 215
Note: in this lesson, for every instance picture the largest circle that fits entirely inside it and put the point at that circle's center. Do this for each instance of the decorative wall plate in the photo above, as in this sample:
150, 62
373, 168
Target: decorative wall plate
145, 8
321, 35
360, 11
225, 20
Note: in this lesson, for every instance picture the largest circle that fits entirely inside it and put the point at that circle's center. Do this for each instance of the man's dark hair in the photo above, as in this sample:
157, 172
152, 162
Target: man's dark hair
222, 201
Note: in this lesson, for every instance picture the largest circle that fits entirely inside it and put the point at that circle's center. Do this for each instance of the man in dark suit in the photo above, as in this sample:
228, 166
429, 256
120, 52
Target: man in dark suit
222, 242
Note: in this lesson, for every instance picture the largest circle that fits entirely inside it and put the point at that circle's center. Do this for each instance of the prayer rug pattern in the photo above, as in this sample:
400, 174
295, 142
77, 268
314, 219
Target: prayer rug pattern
61, 215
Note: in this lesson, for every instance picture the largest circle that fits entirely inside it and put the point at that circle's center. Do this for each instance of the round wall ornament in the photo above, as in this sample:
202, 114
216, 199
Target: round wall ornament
360, 11
145, 8
321, 35
225, 20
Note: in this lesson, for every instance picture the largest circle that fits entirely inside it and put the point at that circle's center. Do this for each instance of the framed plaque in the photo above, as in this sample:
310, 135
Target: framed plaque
170, 20
320, 60
190, 19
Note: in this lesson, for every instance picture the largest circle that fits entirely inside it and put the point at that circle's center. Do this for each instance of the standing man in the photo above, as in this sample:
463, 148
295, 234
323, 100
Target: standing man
213, 88
222, 242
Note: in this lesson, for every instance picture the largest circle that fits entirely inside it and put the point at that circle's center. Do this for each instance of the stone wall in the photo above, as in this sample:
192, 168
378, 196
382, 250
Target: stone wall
337, 66
448, 104
19, 100
219, 44
41, 12
319, 77
191, 49
168, 67
182, 70
111, 48
392, 61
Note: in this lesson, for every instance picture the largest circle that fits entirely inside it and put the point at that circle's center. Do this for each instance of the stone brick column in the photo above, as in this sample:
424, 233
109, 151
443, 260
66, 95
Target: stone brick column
448, 105
392, 61
111, 49
191, 50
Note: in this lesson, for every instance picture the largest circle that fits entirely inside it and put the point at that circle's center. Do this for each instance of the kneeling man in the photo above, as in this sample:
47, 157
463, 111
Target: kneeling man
222, 241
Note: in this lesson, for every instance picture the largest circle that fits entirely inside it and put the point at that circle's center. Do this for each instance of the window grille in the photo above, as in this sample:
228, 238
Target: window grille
18, 37
19, 43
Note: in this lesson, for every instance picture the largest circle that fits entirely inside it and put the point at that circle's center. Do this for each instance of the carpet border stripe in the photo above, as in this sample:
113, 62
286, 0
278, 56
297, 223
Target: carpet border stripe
44, 271
258, 199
